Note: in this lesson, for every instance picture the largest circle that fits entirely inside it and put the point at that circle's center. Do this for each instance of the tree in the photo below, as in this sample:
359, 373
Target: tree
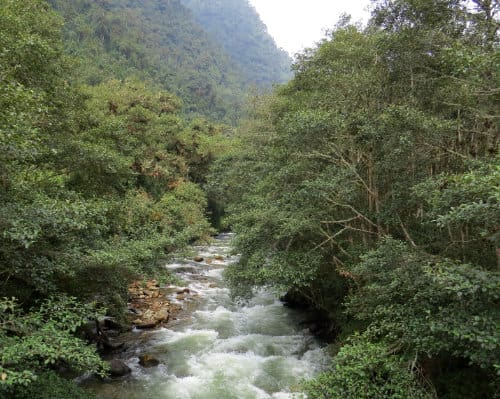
384, 136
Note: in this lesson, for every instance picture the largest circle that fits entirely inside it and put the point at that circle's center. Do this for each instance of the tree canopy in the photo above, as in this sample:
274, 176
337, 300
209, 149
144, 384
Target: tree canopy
368, 186
96, 184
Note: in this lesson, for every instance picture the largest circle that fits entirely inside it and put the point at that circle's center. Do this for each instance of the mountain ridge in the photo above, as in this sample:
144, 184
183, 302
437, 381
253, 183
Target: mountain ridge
161, 41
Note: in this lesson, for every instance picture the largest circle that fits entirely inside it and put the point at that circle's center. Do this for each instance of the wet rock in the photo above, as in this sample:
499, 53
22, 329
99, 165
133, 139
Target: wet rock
118, 368
198, 258
162, 316
148, 361
148, 307
219, 257
315, 328
152, 285
111, 324
180, 297
149, 314
184, 291
151, 294
145, 324
135, 311
212, 285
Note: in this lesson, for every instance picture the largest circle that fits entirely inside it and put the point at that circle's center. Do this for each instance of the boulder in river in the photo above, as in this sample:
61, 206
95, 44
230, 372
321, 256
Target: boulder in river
118, 368
152, 285
162, 316
198, 258
112, 324
144, 324
148, 361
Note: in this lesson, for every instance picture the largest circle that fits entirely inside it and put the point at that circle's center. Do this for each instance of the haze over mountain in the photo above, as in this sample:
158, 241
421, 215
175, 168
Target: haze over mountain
208, 53
236, 25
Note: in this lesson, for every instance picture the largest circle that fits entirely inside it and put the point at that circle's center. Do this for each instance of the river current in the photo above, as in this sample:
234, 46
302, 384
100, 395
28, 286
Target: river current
219, 348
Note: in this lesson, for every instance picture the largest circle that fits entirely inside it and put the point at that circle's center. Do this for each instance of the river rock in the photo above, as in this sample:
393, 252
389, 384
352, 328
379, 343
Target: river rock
111, 324
145, 324
219, 257
152, 293
198, 258
135, 311
148, 361
184, 291
162, 316
152, 285
118, 368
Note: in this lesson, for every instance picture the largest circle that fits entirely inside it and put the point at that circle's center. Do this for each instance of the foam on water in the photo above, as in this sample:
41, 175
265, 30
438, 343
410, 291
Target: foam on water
225, 350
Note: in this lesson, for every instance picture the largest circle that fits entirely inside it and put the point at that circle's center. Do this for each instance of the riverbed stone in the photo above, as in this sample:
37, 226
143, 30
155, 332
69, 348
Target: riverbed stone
118, 368
145, 324
152, 285
147, 360
162, 316
112, 324
198, 258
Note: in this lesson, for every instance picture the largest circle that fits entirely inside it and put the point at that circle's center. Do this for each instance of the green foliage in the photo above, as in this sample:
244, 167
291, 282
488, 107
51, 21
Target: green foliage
161, 41
369, 183
50, 386
364, 370
32, 342
96, 185
236, 25
428, 305
466, 207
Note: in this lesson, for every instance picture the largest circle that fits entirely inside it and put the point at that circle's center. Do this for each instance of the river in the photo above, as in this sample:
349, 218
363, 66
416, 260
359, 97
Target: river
219, 348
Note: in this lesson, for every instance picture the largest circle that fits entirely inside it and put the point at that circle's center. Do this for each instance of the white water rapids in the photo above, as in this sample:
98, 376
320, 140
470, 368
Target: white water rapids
220, 349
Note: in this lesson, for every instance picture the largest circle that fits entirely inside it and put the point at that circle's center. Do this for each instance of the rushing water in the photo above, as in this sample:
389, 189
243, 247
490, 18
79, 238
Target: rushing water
219, 348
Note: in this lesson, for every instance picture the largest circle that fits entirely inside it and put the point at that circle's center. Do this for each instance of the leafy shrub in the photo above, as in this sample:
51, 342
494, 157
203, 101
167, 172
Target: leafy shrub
50, 386
31, 343
365, 370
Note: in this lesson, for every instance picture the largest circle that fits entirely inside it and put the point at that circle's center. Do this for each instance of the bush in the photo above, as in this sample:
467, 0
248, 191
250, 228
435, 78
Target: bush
50, 386
365, 370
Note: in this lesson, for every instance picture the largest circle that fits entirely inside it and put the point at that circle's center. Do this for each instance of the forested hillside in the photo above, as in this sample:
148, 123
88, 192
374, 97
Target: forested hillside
237, 27
369, 188
97, 183
161, 41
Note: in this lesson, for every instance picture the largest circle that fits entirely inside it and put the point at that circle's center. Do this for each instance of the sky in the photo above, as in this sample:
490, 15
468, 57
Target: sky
296, 24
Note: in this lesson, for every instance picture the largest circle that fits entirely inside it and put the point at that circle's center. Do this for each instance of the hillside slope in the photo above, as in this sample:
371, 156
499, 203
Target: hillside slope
236, 25
160, 41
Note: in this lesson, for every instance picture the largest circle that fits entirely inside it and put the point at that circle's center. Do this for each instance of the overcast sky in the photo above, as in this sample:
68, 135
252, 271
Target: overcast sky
296, 24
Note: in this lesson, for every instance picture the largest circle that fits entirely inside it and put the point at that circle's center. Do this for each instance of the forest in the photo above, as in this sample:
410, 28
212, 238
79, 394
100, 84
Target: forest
366, 187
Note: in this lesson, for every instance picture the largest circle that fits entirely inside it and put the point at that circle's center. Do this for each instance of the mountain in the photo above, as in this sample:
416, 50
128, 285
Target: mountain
236, 25
164, 42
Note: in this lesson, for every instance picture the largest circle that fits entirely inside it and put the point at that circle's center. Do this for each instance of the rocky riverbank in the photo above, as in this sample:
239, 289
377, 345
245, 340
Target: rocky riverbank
209, 345
149, 305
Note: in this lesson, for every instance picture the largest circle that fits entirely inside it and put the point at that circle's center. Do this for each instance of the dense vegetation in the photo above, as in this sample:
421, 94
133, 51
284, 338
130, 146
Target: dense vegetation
96, 184
236, 25
161, 41
369, 187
